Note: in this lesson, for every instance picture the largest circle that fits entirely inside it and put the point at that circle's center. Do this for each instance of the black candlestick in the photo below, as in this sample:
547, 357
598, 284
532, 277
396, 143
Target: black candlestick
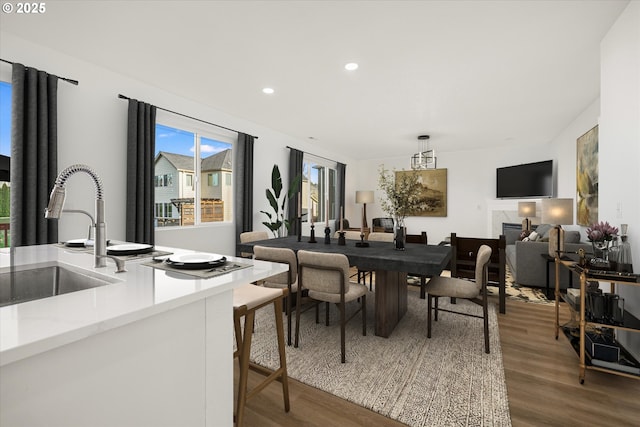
341, 238
312, 238
327, 235
362, 243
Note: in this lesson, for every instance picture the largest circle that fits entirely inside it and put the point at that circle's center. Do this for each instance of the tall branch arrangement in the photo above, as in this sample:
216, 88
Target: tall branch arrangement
402, 195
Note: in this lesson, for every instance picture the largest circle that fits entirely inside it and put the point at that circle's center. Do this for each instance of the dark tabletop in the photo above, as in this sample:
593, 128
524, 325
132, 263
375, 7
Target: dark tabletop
428, 260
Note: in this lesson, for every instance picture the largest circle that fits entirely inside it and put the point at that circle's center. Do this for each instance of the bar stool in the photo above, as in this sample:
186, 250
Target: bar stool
246, 300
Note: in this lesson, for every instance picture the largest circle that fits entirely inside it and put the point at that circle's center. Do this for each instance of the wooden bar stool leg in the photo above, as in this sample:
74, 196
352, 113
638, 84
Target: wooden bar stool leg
284, 378
245, 352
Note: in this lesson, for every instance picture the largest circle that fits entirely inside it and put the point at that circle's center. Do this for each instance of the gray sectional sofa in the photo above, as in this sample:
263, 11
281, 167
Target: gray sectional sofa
528, 266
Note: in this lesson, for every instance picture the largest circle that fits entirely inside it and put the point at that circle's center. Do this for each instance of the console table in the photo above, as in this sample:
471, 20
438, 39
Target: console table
627, 366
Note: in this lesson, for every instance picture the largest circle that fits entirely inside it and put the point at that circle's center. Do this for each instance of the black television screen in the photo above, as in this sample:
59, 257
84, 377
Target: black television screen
527, 180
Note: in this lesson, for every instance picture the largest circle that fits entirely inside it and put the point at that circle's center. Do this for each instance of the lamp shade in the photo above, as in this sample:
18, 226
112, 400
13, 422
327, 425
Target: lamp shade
557, 211
526, 209
364, 196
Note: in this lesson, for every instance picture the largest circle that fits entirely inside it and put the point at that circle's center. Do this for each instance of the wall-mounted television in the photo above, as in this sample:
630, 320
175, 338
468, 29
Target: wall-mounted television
526, 180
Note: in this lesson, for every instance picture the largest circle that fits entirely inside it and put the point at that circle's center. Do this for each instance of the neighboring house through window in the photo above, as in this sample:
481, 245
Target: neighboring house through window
187, 191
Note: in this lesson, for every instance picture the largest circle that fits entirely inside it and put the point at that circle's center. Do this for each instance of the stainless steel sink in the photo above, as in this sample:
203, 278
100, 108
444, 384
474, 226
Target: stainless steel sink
36, 281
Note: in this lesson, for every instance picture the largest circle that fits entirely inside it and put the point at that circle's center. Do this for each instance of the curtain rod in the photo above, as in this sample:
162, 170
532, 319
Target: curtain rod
73, 82
190, 117
315, 155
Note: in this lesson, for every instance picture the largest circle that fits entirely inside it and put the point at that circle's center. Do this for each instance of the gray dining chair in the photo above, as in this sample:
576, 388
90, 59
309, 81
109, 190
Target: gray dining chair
326, 278
453, 287
287, 280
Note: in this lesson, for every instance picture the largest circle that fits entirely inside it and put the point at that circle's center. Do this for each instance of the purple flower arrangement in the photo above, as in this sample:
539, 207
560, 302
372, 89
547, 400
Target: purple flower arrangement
602, 231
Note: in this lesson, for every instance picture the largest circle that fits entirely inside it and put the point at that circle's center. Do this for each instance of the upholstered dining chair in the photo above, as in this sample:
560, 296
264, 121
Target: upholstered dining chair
349, 234
361, 274
475, 291
252, 236
246, 300
421, 239
380, 236
326, 277
287, 280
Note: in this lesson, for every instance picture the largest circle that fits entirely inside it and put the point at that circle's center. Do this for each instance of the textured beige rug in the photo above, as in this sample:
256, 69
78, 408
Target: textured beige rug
447, 380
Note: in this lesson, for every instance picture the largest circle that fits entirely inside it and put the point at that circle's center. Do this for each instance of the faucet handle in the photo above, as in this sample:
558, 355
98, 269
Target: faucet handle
120, 268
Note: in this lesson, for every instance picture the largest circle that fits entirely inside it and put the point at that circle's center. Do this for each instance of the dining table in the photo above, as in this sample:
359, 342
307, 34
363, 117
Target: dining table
391, 267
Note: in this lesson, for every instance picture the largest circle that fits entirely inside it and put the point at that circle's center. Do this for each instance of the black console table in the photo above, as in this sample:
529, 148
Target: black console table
551, 259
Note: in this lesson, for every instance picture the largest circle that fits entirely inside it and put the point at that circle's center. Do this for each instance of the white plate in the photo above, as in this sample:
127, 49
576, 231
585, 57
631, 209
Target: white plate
196, 258
129, 248
78, 243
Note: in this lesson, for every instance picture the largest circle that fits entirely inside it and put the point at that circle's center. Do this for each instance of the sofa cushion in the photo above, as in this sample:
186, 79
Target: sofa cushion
572, 236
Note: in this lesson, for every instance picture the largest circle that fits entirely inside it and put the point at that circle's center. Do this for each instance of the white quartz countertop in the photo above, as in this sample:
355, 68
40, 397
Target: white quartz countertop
37, 326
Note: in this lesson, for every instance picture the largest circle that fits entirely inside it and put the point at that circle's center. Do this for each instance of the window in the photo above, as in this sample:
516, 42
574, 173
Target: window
212, 180
319, 189
188, 191
5, 156
165, 180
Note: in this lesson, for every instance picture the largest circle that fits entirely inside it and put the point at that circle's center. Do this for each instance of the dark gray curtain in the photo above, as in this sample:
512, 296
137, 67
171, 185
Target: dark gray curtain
243, 189
141, 141
342, 174
295, 169
34, 155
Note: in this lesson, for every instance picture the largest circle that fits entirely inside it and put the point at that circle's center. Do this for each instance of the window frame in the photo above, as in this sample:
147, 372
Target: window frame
328, 171
201, 130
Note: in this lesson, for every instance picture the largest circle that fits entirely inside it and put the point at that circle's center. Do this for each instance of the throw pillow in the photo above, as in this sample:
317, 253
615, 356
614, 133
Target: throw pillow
543, 229
533, 236
524, 234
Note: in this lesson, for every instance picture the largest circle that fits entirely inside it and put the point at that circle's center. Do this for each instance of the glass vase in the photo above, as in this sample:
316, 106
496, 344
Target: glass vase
399, 235
601, 250
625, 260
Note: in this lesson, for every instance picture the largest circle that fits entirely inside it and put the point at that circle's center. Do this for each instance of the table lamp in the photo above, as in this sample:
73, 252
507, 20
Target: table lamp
526, 210
364, 197
557, 212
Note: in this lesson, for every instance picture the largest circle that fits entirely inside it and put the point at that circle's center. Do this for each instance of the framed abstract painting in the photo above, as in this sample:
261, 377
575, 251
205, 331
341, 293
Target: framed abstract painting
587, 178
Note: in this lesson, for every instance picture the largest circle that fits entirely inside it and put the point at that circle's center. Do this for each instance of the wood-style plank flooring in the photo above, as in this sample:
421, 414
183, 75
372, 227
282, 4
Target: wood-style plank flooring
541, 375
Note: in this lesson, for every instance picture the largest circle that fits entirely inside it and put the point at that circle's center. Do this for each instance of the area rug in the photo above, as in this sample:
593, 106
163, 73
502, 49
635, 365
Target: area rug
447, 380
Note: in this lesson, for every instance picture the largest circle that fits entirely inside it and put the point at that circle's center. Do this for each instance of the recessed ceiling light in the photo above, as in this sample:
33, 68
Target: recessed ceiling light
351, 66
268, 90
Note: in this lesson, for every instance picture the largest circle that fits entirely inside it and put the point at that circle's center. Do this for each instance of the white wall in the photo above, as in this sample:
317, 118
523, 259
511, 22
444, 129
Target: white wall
619, 188
471, 180
92, 126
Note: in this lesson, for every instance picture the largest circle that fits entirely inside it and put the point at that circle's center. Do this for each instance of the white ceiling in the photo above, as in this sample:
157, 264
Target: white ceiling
469, 73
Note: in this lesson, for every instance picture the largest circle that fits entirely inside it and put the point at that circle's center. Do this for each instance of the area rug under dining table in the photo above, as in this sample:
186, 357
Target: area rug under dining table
447, 380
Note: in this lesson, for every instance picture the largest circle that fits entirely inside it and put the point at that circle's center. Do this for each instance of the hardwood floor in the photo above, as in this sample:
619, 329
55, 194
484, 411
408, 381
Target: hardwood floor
541, 375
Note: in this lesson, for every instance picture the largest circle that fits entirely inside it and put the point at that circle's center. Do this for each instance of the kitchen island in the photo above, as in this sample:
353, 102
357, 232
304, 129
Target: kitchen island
155, 348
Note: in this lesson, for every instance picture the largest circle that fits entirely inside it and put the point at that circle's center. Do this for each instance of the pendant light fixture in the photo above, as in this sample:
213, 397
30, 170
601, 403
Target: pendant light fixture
424, 158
